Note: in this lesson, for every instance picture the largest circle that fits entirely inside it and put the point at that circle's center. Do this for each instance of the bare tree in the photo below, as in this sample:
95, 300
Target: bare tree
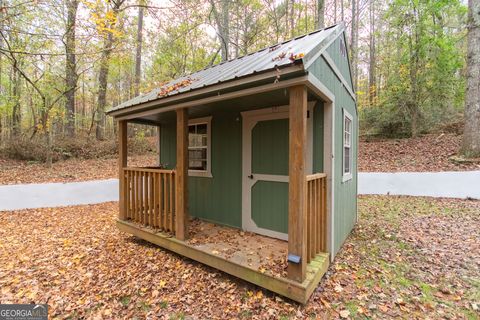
471, 134
71, 76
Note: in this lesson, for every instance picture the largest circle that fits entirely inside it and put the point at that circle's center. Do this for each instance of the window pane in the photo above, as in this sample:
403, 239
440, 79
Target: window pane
197, 165
197, 146
197, 154
202, 128
346, 159
196, 140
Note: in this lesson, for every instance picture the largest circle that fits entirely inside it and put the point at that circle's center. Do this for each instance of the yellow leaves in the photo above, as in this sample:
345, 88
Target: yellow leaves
67, 243
111, 16
162, 284
215, 252
104, 20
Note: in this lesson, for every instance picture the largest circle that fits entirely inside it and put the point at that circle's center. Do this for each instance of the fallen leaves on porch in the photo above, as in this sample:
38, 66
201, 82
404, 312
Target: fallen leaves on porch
77, 261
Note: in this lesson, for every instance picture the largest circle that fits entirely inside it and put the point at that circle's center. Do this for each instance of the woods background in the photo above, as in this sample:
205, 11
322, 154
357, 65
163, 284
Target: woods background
63, 63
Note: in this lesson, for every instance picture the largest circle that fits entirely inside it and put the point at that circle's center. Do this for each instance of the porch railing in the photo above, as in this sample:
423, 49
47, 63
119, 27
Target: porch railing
316, 204
150, 197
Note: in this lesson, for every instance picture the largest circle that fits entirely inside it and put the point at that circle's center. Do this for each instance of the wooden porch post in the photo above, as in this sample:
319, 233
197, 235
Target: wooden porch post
122, 163
297, 232
181, 194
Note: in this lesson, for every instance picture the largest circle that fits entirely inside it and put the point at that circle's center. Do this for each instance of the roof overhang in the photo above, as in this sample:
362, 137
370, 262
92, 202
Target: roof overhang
212, 90
257, 84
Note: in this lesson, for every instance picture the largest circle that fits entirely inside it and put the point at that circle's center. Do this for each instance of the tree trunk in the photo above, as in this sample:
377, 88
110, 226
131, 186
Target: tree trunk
471, 134
334, 11
222, 20
414, 99
292, 18
103, 77
342, 10
320, 14
371, 74
353, 43
16, 110
71, 76
138, 57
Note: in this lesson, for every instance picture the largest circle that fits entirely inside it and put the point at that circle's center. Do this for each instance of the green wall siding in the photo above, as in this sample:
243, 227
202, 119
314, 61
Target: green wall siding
345, 193
219, 198
342, 63
318, 137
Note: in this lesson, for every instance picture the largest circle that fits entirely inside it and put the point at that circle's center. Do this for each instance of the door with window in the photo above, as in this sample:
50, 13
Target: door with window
265, 169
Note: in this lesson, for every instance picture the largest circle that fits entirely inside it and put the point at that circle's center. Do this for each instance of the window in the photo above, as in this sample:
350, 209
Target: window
199, 147
347, 146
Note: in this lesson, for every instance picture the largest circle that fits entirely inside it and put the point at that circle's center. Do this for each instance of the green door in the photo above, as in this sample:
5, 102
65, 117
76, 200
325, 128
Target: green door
268, 176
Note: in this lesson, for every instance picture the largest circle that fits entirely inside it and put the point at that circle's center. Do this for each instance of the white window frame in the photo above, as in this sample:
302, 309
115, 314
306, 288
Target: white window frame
203, 173
347, 175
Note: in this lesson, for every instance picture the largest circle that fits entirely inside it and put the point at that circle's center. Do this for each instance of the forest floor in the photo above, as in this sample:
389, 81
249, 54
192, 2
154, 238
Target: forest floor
407, 257
17, 172
427, 153
431, 152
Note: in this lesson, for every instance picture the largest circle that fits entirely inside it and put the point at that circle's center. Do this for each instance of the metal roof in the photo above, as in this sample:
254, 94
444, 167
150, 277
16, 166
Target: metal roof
300, 49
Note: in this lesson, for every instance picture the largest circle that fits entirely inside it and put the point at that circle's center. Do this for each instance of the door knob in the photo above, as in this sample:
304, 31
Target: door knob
251, 176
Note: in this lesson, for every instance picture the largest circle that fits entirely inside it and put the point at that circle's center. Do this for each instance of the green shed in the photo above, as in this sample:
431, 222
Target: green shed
261, 149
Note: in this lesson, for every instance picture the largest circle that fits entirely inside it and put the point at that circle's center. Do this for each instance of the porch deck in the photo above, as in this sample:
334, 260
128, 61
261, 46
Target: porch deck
255, 258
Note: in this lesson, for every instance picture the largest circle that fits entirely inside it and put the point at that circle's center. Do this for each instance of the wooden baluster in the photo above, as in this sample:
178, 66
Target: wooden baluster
312, 218
318, 230
142, 204
155, 202
171, 191
165, 202
323, 214
134, 196
150, 199
145, 198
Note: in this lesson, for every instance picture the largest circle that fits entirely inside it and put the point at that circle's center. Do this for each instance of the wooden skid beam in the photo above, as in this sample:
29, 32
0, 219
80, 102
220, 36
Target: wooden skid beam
297, 230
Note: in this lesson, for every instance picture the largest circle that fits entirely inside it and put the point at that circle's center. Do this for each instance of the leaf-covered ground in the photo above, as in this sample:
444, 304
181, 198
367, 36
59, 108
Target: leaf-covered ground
16, 172
430, 152
384, 156
407, 258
